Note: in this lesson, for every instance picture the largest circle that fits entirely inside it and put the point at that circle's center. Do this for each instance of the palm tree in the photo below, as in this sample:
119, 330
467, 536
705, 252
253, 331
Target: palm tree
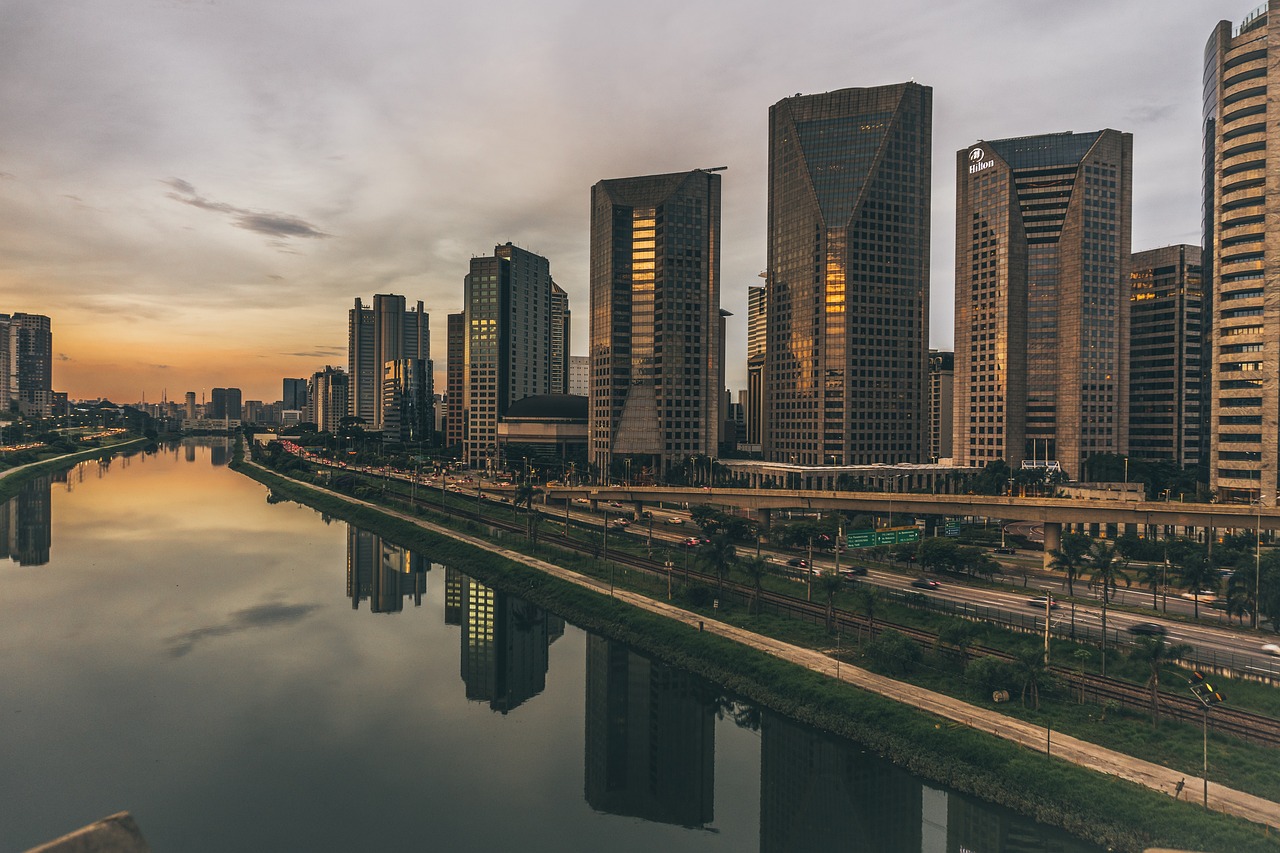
1196, 571
1239, 597
1156, 653
1070, 558
1029, 665
719, 556
755, 568
958, 634
868, 598
830, 584
1152, 575
525, 492
1107, 572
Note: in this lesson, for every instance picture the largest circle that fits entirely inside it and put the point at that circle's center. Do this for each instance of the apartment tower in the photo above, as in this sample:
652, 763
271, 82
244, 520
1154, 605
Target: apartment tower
384, 332
656, 346
1241, 243
1042, 286
847, 282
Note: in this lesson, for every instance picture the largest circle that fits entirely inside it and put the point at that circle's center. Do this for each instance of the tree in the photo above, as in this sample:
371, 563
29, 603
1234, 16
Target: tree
1069, 558
525, 493
1152, 575
868, 597
1107, 571
755, 568
1030, 669
719, 556
959, 634
1197, 574
1240, 597
1155, 654
894, 653
829, 584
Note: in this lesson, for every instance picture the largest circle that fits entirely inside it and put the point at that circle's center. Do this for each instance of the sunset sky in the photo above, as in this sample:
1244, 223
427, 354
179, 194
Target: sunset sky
196, 190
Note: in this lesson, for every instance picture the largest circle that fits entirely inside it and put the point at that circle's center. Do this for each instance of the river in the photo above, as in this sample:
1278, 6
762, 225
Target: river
251, 676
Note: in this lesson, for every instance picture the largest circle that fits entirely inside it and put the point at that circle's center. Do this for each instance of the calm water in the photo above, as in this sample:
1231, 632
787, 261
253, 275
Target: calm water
245, 675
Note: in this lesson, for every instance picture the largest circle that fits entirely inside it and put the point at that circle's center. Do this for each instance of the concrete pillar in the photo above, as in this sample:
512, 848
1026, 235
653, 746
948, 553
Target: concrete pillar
764, 517
1052, 540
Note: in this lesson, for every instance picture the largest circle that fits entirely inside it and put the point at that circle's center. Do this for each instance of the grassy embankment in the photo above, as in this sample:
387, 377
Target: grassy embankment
1100, 808
12, 481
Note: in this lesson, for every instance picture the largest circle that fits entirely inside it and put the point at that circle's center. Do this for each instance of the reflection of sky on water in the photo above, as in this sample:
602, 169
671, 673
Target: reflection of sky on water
189, 654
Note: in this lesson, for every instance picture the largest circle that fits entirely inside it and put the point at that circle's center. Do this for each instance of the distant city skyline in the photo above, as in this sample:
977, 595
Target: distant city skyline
195, 211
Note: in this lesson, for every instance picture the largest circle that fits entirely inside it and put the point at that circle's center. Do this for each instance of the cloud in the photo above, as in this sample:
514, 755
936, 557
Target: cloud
262, 616
62, 356
318, 352
278, 225
158, 366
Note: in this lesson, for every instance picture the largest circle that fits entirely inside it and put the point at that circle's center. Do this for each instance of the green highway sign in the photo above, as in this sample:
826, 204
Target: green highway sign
883, 536
952, 528
861, 538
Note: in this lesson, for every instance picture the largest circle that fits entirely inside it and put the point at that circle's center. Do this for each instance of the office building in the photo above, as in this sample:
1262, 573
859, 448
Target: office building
455, 380
560, 317
224, 403
580, 375
941, 404
757, 335
507, 343
1042, 278
31, 362
189, 406
848, 277
408, 401
384, 332
1166, 303
1242, 299
328, 398
295, 394
657, 351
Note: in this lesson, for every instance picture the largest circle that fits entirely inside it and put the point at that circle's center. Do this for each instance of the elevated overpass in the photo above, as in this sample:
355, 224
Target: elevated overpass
1051, 512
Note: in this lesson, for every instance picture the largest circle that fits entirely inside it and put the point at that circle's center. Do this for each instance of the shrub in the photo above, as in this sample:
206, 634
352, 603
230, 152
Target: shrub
988, 674
894, 653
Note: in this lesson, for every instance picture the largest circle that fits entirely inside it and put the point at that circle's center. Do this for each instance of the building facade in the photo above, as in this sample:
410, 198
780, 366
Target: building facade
560, 317
1242, 296
455, 424
30, 349
408, 401
1042, 282
941, 404
848, 276
757, 335
1166, 303
294, 396
579, 375
328, 399
386, 331
657, 350
507, 343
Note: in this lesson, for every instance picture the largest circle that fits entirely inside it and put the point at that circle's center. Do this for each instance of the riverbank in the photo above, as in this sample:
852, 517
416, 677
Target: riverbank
11, 479
1109, 806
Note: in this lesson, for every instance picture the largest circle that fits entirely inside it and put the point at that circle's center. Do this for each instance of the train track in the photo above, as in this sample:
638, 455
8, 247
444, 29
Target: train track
1254, 728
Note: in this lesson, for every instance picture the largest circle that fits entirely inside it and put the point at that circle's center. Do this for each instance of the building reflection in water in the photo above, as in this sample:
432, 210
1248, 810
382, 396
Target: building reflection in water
650, 738
26, 523
505, 642
822, 793
383, 573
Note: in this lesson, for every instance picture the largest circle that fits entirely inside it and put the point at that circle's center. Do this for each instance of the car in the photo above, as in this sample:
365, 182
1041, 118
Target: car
1204, 595
1147, 629
798, 563
1003, 550
646, 514
692, 542
1040, 600
925, 583
582, 501
615, 504
621, 522
854, 570
674, 519
1271, 649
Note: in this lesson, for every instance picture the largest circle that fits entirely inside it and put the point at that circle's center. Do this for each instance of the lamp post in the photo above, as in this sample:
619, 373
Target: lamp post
1257, 565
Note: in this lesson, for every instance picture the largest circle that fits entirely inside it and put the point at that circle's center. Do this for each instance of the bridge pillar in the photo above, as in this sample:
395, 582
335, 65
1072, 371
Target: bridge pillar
1052, 540
764, 516
595, 505
637, 507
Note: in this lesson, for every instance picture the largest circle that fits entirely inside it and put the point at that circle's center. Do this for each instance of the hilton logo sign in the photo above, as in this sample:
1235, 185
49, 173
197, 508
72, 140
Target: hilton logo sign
977, 163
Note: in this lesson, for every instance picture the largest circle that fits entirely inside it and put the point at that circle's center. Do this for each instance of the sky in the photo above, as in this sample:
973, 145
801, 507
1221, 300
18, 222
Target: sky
195, 191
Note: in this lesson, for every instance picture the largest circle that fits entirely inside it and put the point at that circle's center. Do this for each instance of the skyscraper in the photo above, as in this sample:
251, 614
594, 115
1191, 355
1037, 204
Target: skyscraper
1242, 300
385, 332
31, 360
328, 398
848, 276
224, 403
455, 381
941, 404
656, 348
560, 317
1165, 319
757, 335
507, 306
1042, 285
295, 394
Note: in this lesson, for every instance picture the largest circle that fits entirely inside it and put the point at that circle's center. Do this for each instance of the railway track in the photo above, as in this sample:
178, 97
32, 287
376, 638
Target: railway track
1251, 727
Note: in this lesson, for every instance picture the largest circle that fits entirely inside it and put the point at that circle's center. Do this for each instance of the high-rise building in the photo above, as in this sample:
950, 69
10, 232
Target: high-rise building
224, 403
408, 401
455, 425
189, 406
328, 398
1165, 314
657, 351
31, 360
1042, 278
1242, 297
560, 316
376, 335
507, 306
580, 375
941, 403
294, 397
848, 276
757, 335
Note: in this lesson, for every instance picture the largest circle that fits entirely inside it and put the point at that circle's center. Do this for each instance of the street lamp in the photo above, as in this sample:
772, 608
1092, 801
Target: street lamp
1257, 565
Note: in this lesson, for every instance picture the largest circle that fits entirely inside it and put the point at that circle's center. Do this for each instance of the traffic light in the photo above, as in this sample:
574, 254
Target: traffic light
1203, 690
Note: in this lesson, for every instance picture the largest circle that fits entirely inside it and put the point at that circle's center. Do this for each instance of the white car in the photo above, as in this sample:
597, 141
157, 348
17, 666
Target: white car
1272, 649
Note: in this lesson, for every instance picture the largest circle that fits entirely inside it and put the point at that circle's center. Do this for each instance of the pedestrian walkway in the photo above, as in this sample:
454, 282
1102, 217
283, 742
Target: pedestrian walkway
1065, 747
